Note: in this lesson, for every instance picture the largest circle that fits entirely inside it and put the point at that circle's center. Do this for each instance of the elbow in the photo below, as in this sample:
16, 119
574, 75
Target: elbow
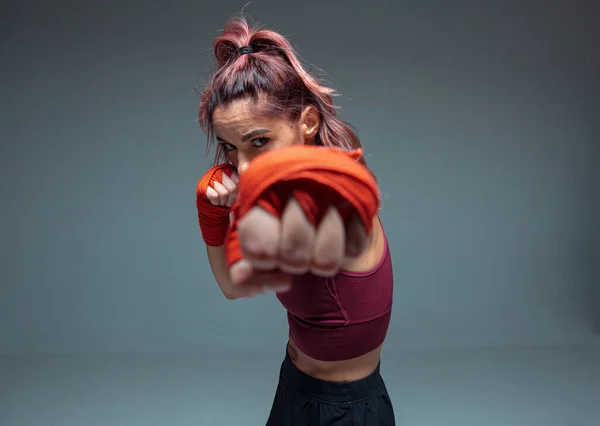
229, 295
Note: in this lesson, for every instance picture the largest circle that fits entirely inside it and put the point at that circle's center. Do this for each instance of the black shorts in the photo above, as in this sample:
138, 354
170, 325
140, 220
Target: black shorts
302, 400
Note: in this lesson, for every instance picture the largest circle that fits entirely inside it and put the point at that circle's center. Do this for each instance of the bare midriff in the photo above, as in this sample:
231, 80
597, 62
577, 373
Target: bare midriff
335, 371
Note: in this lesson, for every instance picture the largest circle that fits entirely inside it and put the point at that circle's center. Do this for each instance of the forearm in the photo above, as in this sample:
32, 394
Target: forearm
220, 270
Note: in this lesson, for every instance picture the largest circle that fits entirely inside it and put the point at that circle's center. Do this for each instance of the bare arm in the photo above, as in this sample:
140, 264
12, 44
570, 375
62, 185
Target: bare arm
257, 284
218, 264
372, 254
223, 194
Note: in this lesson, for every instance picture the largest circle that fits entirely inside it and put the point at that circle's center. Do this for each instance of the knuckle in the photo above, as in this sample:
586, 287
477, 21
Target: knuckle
230, 186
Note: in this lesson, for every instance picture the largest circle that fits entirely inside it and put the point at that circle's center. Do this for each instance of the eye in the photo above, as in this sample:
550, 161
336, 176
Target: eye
227, 147
259, 142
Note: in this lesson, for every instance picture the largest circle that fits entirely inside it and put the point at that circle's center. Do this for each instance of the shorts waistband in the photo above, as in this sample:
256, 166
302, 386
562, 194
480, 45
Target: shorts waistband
334, 392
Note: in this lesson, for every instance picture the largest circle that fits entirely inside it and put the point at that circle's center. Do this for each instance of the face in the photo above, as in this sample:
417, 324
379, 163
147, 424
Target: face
243, 134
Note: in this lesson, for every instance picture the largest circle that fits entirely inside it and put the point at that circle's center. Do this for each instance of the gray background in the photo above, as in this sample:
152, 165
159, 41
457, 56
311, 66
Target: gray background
480, 119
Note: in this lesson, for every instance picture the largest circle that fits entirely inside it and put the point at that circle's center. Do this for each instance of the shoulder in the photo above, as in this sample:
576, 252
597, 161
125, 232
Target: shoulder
375, 250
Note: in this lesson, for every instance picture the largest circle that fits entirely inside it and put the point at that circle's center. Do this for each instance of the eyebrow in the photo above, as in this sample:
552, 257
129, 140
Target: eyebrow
248, 135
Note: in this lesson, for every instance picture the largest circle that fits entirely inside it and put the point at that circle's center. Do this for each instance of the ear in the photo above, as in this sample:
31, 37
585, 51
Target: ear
309, 124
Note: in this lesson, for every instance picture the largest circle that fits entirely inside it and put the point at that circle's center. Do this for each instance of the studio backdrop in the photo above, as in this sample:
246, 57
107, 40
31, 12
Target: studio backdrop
479, 119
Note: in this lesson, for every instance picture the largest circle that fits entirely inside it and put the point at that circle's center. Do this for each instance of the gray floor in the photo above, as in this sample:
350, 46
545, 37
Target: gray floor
508, 387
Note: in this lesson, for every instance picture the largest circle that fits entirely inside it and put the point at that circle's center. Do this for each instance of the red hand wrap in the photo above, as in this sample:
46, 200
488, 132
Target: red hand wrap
318, 177
213, 220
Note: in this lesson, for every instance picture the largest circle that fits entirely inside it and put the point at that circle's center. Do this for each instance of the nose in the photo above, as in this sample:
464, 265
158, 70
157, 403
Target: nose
243, 164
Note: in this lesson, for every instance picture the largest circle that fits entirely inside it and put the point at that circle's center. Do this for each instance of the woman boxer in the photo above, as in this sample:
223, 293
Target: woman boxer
291, 207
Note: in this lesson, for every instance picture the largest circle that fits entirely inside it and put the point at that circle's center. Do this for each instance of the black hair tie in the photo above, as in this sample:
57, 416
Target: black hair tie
245, 50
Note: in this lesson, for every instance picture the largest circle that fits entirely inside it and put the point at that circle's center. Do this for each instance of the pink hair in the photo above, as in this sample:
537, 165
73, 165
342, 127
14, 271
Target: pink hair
272, 73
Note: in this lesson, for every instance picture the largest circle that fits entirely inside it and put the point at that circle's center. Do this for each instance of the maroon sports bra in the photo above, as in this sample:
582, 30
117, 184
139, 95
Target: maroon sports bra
343, 317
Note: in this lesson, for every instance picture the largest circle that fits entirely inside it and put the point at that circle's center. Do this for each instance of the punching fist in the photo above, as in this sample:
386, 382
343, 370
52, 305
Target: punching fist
300, 209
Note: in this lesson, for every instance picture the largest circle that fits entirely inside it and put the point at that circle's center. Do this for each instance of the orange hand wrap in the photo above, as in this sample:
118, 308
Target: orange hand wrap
213, 220
317, 177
